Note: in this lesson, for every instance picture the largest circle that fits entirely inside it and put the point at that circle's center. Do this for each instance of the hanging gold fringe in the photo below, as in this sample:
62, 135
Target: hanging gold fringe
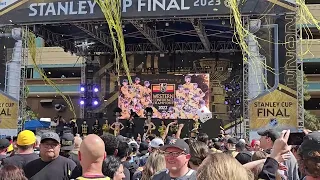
31, 42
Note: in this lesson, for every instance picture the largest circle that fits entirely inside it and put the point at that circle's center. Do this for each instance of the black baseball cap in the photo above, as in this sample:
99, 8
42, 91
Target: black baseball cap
271, 133
244, 157
177, 143
310, 144
67, 141
241, 145
143, 148
4, 143
232, 141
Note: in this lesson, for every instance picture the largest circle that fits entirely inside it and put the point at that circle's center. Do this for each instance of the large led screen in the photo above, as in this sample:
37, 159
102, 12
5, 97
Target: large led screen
170, 96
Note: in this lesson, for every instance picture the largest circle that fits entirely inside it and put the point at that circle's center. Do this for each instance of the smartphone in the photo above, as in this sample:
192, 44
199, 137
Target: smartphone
296, 138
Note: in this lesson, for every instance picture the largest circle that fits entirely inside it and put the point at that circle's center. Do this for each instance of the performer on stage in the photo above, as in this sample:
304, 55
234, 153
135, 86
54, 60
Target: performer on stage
105, 127
84, 128
195, 130
148, 125
96, 128
74, 127
130, 125
174, 127
162, 128
117, 127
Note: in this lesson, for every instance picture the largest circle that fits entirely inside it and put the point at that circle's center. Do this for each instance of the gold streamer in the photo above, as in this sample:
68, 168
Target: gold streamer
31, 40
112, 12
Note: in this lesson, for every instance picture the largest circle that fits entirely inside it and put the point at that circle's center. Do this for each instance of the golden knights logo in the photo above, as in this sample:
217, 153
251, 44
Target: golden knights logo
163, 87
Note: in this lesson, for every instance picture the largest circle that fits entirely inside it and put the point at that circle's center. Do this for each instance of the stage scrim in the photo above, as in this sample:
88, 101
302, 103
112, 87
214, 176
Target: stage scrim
170, 96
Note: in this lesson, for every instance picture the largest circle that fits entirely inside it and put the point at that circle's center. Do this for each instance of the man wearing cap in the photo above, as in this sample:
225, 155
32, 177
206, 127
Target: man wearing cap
267, 139
4, 144
177, 156
155, 144
309, 153
25, 143
67, 145
231, 147
50, 166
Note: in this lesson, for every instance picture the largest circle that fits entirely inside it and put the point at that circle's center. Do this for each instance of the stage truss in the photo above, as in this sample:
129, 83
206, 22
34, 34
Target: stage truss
155, 46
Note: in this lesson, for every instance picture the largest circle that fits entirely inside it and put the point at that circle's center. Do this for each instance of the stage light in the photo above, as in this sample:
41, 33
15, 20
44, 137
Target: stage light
82, 89
95, 89
238, 101
81, 102
95, 102
226, 102
238, 87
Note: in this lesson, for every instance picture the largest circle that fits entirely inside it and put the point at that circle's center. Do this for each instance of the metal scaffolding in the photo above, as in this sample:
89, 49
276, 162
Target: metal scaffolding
54, 39
93, 31
150, 34
178, 47
23, 86
200, 29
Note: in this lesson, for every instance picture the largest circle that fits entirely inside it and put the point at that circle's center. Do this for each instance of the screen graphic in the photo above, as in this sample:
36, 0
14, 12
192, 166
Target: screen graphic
170, 96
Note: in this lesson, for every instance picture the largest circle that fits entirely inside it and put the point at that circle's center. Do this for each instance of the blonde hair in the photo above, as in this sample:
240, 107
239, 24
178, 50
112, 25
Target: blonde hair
220, 166
156, 162
259, 155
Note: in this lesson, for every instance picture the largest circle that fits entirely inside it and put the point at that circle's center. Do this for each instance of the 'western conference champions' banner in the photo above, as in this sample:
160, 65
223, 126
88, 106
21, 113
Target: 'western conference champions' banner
8, 115
170, 96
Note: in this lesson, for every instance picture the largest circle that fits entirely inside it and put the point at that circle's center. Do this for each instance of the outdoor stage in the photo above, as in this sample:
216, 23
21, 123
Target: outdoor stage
163, 32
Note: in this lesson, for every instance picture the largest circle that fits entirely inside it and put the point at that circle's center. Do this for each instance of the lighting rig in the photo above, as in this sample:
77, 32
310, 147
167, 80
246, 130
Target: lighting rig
234, 101
89, 90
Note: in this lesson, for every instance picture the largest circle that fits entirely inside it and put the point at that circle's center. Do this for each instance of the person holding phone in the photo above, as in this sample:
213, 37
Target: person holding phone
267, 140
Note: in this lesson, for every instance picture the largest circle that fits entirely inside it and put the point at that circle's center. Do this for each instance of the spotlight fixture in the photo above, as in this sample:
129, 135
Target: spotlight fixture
238, 101
82, 89
81, 102
95, 102
95, 89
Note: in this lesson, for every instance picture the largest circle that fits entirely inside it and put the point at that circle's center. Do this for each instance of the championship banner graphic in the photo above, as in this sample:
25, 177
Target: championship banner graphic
277, 109
170, 96
8, 115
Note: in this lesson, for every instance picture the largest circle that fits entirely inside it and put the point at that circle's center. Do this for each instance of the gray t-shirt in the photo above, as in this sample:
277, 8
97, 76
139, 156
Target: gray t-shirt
164, 175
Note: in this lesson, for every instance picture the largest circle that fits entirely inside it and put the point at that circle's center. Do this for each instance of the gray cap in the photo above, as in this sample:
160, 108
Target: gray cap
50, 135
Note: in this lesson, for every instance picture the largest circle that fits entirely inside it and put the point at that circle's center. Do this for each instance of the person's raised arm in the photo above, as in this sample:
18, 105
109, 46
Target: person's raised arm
166, 131
179, 131
271, 166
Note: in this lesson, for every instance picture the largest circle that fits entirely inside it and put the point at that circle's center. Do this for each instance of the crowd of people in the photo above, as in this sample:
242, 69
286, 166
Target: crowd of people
61, 157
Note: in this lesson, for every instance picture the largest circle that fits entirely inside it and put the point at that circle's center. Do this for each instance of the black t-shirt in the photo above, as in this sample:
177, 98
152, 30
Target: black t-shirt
20, 160
131, 166
58, 169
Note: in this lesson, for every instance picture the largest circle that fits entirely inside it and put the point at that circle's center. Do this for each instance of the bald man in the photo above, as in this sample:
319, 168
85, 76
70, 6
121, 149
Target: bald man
91, 155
